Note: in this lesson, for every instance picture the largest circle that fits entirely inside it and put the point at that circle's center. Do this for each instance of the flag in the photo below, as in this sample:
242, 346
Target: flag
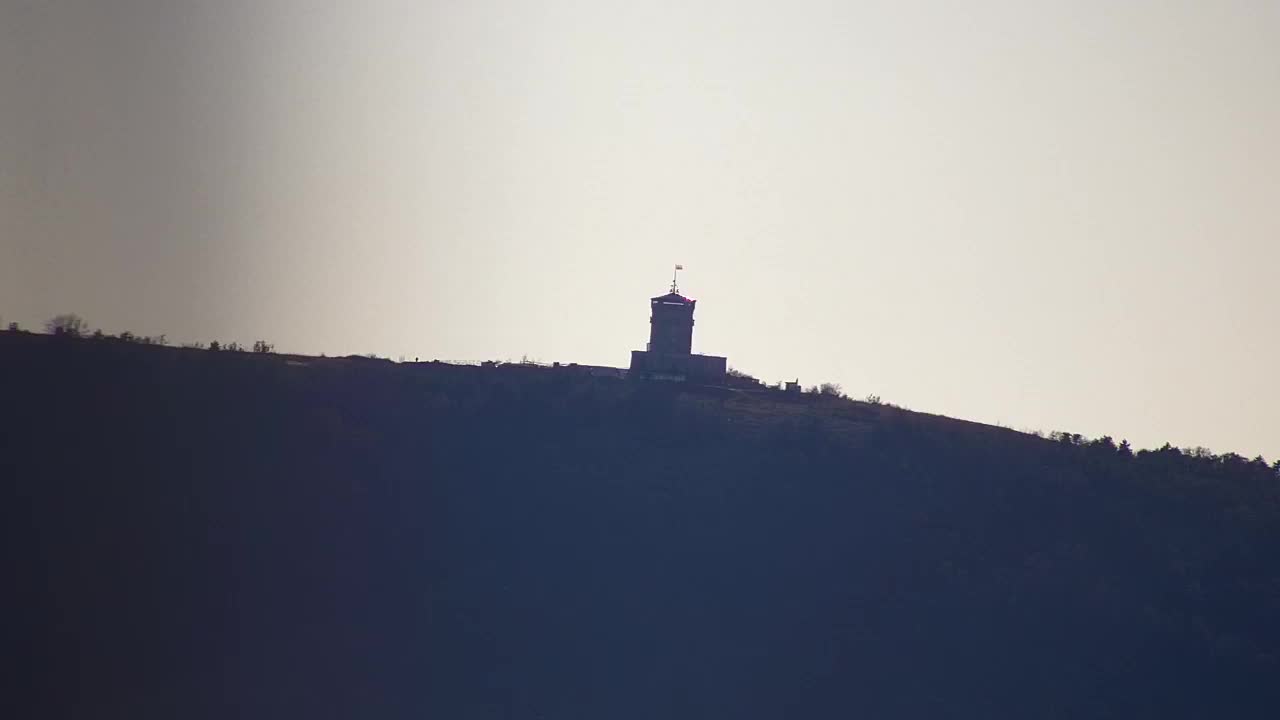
679, 267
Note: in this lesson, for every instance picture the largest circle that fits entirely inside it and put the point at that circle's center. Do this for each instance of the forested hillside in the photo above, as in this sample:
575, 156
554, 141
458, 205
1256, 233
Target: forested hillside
227, 534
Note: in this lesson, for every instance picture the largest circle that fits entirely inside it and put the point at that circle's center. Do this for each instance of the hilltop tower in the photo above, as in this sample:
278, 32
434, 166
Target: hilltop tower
671, 323
669, 355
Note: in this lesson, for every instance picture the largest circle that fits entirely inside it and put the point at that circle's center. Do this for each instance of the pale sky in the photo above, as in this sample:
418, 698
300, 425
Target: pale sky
1052, 215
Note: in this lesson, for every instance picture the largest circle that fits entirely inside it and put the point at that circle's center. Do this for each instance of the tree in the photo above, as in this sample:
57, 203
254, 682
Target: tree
831, 389
1067, 438
262, 346
1104, 443
68, 324
1200, 451
215, 346
1125, 449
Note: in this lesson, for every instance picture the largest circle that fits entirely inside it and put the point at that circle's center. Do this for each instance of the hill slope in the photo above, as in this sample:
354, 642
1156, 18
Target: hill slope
202, 534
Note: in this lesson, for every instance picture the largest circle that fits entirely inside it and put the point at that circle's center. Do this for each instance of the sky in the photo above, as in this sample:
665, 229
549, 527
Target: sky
1047, 215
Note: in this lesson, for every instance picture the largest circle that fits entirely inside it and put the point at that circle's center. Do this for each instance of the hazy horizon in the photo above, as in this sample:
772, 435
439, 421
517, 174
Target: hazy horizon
1053, 216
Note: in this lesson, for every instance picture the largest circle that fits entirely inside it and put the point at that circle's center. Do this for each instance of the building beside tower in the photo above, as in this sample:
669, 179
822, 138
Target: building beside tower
669, 354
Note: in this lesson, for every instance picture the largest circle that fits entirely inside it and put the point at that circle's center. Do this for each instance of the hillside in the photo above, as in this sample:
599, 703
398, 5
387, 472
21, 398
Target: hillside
214, 534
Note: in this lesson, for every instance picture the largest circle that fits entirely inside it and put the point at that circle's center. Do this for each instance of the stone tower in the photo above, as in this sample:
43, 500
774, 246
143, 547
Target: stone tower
669, 355
671, 324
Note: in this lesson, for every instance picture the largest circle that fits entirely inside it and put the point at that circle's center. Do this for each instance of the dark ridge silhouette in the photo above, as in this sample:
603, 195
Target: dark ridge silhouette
199, 534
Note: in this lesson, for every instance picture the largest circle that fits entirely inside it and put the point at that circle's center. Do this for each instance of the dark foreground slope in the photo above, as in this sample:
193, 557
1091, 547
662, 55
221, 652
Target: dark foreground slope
198, 534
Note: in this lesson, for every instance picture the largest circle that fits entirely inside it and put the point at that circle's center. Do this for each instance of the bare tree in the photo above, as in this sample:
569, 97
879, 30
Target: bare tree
68, 324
